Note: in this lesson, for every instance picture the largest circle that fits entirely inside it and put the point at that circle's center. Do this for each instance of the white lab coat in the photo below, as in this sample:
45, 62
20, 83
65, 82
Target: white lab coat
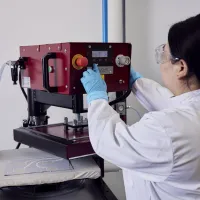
159, 155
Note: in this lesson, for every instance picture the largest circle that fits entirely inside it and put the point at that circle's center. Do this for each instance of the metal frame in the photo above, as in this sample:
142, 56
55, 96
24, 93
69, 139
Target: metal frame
74, 102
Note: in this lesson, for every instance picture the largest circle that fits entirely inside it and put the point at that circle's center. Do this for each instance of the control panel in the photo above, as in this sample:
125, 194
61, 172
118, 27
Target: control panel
59, 67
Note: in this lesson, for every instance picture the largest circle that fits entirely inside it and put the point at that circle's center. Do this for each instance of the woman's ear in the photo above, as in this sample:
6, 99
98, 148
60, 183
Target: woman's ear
181, 69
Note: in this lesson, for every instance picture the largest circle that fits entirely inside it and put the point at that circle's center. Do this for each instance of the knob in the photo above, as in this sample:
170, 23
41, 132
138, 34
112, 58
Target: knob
122, 60
82, 62
121, 108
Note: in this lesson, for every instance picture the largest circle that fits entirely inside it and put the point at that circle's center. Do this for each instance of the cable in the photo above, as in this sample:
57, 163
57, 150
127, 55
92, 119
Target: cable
20, 84
123, 97
8, 63
129, 107
2, 69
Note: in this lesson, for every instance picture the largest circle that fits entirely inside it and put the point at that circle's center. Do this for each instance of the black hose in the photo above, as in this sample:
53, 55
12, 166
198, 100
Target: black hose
20, 84
123, 97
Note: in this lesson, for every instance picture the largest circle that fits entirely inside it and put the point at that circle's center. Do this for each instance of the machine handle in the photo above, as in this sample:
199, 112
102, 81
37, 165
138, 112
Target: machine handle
45, 70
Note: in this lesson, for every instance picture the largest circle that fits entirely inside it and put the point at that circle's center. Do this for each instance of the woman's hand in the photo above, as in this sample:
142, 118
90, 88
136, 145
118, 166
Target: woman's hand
94, 85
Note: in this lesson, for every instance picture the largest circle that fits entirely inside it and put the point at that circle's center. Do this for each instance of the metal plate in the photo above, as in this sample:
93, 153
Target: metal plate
106, 69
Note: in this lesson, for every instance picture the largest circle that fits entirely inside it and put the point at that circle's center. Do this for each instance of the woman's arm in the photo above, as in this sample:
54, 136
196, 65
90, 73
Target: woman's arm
143, 147
150, 94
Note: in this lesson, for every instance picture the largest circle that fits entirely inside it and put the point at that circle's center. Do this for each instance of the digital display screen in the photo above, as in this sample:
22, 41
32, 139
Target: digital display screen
99, 54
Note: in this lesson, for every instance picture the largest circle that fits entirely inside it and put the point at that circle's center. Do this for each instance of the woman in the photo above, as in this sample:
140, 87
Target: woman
159, 155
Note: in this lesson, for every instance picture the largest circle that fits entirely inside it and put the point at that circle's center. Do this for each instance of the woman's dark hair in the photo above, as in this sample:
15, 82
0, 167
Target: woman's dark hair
184, 43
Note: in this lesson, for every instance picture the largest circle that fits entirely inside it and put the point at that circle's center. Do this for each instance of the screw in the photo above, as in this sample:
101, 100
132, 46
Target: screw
75, 122
58, 47
23, 49
120, 81
65, 68
110, 46
37, 49
120, 108
49, 48
74, 88
65, 50
65, 120
89, 46
66, 86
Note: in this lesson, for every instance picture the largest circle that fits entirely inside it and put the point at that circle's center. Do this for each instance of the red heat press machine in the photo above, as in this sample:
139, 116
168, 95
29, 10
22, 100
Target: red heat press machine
51, 74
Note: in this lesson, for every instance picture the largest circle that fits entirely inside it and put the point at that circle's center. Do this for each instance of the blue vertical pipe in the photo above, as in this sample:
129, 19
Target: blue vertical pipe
124, 20
105, 20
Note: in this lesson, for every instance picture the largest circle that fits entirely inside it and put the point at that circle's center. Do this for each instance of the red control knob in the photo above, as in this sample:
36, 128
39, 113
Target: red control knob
82, 62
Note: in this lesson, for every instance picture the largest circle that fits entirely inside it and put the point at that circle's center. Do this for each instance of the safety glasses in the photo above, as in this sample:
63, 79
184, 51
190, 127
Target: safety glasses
162, 56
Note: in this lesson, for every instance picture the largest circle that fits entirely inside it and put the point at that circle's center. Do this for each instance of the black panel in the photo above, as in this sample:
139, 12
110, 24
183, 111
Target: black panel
102, 61
28, 137
53, 99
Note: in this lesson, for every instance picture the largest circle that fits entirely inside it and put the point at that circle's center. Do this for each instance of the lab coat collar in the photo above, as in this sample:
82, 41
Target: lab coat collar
185, 99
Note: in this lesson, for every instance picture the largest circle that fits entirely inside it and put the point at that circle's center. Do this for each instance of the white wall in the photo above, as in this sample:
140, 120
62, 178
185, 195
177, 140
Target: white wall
148, 22
36, 22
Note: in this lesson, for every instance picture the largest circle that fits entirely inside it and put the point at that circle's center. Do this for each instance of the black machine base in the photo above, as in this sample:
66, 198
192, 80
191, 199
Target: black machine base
86, 189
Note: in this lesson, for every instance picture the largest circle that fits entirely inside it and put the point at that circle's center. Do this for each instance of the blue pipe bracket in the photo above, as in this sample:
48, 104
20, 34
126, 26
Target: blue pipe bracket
105, 20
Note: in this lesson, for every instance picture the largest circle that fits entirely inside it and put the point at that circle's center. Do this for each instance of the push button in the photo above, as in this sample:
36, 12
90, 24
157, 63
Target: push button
79, 61
82, 62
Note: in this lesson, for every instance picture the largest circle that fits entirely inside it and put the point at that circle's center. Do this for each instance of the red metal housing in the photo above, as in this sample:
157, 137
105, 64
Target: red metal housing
64, 66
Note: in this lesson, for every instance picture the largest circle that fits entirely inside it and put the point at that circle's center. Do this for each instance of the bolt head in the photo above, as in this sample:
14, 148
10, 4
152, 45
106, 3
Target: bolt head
120, 81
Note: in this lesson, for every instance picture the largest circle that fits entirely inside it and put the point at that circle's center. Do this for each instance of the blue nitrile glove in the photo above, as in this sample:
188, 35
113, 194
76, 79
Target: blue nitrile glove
94, 85
134, 76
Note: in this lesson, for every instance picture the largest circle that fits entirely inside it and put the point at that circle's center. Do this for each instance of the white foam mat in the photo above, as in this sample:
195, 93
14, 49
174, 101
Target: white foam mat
29, 166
